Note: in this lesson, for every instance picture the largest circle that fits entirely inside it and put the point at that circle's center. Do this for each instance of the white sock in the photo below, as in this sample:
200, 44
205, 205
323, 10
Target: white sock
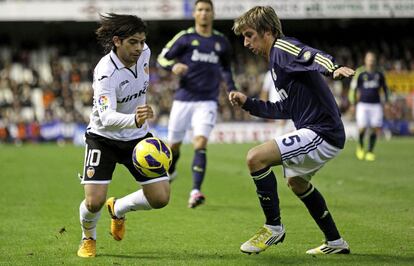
132, 202
88, 221
338, 242
194, 191
274, 228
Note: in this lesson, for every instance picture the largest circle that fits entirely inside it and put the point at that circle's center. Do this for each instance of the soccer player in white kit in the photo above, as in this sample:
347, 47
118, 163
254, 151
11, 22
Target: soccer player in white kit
365, 90
201, 57
117, 124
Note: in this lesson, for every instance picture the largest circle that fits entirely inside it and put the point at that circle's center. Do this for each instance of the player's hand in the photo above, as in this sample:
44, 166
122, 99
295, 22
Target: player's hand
142, 113
343, 72
237, 98
179, 69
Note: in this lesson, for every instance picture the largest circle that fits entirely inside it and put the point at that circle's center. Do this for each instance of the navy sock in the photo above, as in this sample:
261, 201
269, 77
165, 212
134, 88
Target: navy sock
372, 140
266, 185
317, 208
361, 138
175, 156
199, 168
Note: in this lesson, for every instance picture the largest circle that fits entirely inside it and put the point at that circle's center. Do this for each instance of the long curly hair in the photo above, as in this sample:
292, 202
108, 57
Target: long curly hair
122, 26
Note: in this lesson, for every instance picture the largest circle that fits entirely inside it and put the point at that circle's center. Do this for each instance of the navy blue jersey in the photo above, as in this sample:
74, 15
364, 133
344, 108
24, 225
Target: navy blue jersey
369, 84
305, 97
208, 60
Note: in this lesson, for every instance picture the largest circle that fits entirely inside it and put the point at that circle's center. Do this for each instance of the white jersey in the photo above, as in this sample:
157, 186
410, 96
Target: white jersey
117, 91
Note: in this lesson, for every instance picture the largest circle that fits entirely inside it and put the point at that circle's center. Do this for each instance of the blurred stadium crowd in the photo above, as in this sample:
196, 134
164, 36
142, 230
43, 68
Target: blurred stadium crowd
46, 94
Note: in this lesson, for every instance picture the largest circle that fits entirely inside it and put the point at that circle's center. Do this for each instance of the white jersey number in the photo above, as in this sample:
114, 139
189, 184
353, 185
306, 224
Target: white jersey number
94, 156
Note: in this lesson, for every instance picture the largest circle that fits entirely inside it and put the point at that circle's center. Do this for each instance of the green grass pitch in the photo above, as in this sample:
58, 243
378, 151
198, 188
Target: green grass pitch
372, 203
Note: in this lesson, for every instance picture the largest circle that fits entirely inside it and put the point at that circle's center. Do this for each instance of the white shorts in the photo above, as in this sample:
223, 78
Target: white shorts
369, 115
199, 116
304, 152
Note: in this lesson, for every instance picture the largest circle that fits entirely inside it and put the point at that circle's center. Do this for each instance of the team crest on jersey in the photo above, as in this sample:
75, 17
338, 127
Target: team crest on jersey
274, 76
307, 55
123, 84
146, 69
103, 103
217, 46
195, 42
90, 172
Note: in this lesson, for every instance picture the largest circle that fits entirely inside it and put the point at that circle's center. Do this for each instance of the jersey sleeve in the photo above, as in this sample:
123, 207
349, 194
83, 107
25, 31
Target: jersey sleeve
298, 57
173, 49
226, 66
105, 102
266, 109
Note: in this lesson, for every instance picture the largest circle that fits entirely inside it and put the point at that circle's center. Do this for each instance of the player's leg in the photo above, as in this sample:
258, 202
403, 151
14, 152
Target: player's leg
89, 212
316, 205
175, 150
259, 161
376, 118
202, 122
361, 119
98, 168
198, 168
180, 119
303, 153
152, 195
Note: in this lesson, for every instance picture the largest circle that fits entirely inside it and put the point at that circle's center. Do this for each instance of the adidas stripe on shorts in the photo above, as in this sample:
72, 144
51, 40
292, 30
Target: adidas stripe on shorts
304, 152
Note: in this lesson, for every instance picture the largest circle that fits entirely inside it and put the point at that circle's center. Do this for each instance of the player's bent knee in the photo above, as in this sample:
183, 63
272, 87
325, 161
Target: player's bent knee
159, 202
94, 205
253, 160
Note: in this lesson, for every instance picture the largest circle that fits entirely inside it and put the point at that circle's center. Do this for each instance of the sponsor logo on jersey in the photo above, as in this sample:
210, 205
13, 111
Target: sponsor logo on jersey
135, 95
282, 93
204, 57
103, 103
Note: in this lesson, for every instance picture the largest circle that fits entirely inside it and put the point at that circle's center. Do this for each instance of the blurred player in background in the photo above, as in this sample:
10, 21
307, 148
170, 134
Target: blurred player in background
365, 91
200, 56
117, 124
306, 99
269, 92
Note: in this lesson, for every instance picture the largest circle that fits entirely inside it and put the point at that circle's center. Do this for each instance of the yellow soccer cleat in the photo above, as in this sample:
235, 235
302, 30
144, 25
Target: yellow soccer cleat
117, 224
87, 248
360, 153
263, 239
369, 157
326, 248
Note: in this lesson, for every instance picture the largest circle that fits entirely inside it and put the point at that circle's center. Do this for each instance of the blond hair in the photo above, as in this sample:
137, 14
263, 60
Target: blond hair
261, 19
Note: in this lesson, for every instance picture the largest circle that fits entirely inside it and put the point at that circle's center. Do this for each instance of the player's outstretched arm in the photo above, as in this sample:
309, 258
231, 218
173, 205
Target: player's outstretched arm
343, 72
237, 98
143, 113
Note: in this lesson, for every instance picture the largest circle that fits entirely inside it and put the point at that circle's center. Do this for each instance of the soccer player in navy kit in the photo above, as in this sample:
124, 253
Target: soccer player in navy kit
307, 100
117, 124
200, 55
365, 90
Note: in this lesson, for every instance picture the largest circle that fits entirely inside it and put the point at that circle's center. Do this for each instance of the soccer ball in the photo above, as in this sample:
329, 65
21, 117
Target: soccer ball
151, 157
